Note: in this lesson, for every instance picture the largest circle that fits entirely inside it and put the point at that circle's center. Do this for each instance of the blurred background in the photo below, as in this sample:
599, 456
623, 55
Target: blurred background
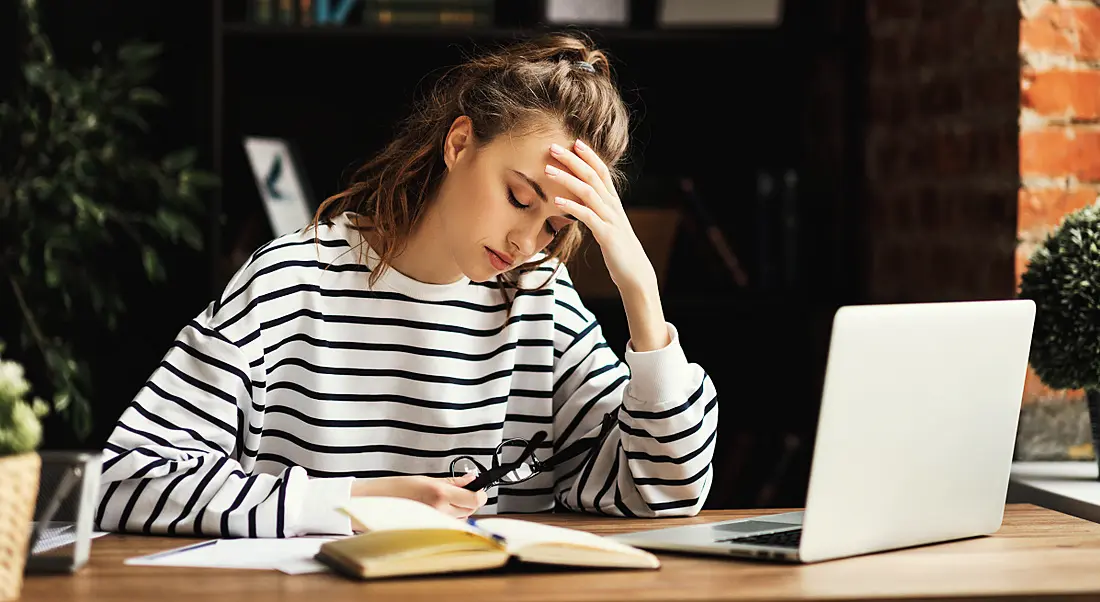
788, 157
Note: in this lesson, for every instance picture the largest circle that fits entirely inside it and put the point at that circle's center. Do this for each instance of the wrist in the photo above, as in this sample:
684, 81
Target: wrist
646, 319
365, 487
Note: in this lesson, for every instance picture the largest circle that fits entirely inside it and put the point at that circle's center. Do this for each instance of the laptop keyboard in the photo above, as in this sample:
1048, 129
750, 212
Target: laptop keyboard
782, 539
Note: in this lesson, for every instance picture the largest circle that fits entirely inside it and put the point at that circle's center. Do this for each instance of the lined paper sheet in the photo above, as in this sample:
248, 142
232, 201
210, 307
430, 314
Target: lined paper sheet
293, 556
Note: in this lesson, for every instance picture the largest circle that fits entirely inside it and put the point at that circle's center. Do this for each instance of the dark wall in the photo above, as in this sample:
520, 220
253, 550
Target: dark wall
154, 313
721, 108
943, 162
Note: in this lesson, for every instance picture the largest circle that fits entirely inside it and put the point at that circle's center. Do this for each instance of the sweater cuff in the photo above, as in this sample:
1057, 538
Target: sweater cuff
658, 376
320, 507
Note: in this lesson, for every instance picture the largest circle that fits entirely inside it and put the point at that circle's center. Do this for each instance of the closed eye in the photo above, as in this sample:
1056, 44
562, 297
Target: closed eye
515, 203
512, 198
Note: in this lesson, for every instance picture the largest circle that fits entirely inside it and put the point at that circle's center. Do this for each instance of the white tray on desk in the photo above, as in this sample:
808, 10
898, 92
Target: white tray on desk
1070, 487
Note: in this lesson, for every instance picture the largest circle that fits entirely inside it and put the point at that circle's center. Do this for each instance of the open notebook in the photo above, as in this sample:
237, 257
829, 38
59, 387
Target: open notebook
406, 537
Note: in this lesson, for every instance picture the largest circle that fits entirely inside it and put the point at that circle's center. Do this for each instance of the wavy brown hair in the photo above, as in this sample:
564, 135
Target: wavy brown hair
527, 86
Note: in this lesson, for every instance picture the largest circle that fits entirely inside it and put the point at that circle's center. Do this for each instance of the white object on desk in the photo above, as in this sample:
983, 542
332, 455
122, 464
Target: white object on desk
58, 534
1070, 487
293, 555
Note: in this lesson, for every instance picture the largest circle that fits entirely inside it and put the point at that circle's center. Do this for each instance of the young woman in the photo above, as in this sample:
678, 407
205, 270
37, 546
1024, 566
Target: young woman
426, 317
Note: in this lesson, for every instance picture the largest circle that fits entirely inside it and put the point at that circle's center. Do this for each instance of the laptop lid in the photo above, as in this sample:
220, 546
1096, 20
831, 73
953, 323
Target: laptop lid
917, 426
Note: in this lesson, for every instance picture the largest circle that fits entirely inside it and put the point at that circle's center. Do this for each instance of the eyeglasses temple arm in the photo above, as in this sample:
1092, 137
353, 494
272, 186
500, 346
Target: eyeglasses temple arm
579, 446
484, 479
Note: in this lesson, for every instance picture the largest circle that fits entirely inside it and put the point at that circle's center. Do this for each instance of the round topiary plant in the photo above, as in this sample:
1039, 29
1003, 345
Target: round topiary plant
1063, 279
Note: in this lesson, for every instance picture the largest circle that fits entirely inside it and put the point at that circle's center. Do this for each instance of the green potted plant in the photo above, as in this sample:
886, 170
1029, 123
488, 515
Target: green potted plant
20, 434
1063, 279
84, 207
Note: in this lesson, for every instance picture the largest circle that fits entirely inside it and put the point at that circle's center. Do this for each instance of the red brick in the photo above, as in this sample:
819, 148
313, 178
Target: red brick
1043, 208
1035, 391
1062, 93
1059, 152
1023, 255
1069, 30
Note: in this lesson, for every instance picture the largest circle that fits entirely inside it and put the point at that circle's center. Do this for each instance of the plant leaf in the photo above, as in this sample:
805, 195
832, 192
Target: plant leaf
146, 96
176, 161
153, 268
203, 179
130, 116
136, 52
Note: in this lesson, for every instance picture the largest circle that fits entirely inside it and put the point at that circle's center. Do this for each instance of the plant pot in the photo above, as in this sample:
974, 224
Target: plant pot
1092, 397
18, 495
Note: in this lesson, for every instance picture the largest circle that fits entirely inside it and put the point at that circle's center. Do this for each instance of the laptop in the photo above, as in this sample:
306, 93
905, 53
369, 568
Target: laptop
915, 438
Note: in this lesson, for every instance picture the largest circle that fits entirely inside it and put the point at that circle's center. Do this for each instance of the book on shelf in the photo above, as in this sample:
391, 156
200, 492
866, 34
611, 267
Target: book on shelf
386, 13
401, 537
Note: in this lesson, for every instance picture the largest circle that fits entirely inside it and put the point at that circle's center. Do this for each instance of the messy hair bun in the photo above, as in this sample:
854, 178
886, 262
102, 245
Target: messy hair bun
558, 80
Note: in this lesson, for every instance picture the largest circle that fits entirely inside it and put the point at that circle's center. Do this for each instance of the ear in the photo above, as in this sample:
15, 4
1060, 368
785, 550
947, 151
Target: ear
459, 139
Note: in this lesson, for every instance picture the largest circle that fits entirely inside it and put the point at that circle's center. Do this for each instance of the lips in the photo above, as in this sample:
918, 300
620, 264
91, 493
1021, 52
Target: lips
505, 257
499, 260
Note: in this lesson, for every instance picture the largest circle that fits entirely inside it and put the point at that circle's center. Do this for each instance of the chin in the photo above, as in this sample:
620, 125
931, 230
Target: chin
479, 273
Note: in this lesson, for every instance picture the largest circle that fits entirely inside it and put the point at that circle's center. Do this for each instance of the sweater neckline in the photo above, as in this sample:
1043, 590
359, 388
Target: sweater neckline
392, 278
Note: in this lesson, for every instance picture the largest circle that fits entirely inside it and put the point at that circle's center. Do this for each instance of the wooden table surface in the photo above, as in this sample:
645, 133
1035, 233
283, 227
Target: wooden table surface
1037, 553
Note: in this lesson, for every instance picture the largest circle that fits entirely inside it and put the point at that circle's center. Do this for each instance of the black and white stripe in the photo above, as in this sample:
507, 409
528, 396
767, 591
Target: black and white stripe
301, 378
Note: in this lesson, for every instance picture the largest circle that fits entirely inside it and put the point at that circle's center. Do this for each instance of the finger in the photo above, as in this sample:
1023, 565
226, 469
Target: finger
464, 498
460, 512
455, 511
581, 189
585, 152
467, 500
462, 480
580, 168
583, 213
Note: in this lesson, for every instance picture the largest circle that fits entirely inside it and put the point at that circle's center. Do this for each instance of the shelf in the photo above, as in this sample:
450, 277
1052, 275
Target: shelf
257, 31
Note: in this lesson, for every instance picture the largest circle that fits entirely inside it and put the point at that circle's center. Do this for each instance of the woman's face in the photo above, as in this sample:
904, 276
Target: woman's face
496, 204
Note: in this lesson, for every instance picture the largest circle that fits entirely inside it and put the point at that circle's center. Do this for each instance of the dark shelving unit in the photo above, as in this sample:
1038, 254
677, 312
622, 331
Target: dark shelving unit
717, 105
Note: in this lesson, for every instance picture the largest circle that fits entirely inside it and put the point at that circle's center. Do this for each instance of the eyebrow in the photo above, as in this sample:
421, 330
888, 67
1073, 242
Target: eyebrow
533, 184
538, 190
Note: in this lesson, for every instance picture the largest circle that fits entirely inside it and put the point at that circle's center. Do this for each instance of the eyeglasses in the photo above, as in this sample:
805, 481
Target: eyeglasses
515, 460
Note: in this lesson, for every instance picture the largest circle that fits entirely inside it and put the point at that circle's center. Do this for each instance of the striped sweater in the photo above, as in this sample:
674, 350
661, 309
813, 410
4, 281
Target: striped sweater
301, 378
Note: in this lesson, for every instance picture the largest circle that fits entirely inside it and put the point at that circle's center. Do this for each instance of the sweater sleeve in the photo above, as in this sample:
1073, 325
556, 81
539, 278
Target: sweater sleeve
656, 458
173, 463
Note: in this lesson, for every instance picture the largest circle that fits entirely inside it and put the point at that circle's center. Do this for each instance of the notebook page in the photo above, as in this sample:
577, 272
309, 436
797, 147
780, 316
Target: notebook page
377, 513
520, 533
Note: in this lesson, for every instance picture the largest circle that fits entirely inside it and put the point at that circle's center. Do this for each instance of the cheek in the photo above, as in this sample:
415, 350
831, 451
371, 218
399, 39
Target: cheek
473, 212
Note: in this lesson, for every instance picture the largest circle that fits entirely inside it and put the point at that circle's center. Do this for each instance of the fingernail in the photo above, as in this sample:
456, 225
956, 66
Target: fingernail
556, 149
551, 170
559, 201
580, 145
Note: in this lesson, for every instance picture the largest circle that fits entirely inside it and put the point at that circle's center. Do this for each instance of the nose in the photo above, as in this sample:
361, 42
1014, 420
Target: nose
526, 240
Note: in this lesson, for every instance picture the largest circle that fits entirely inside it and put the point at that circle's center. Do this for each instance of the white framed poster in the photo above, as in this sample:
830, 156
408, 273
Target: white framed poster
588, 12
281, 183
720, 13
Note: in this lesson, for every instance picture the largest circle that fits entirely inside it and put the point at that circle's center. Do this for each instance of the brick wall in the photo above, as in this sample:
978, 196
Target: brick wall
941, 149
1059, 172
983, 132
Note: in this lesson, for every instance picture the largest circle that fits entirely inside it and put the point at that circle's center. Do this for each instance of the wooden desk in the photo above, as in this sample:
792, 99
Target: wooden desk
1070, 487
1037, 552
